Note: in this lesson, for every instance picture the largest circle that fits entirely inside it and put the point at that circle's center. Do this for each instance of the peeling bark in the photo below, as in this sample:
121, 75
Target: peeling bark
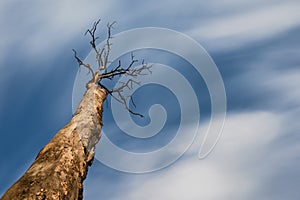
61, 166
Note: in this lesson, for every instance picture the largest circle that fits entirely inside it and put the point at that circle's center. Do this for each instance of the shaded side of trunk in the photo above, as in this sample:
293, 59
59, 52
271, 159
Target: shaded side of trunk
61, 166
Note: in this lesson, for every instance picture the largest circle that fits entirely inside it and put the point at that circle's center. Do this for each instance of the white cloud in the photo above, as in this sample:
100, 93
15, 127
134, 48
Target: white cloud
237, 169
248, 25
37, 28
282, 80
278, 88
42, 28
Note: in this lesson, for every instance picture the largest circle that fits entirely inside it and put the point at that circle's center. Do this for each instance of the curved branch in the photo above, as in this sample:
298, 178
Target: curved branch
81, 63
102, 57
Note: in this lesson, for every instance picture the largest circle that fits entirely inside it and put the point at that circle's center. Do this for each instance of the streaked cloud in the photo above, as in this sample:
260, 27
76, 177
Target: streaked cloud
42, 28
243, 161
244, 26
257, 156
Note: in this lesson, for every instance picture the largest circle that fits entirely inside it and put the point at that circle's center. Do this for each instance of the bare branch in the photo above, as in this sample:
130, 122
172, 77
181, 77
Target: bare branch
119, 70
126, 105
129, 71
102, 58
108, 91
92, 34
131, 99
81, 63
108, 43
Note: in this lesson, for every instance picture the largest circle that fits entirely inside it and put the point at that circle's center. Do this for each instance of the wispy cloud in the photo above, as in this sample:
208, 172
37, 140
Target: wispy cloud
244, 26
243, 161
42, 28
258, 150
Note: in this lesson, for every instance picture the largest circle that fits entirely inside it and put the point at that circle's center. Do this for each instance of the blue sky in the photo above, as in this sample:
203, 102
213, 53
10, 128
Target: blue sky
255, 45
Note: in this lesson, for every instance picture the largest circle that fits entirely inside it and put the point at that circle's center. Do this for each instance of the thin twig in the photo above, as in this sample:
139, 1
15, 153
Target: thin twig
81, 63
102, 57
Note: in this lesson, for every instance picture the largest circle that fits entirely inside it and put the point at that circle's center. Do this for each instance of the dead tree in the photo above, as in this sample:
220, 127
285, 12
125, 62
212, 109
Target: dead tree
61, 166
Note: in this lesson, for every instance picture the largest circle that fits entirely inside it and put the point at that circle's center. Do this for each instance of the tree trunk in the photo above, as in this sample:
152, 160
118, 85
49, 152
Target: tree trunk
61, 166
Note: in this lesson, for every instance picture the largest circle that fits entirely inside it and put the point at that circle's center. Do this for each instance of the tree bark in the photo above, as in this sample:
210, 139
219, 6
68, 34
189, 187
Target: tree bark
61, 166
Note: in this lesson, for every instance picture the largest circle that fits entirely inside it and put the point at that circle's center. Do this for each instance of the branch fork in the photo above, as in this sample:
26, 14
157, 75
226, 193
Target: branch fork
102, 57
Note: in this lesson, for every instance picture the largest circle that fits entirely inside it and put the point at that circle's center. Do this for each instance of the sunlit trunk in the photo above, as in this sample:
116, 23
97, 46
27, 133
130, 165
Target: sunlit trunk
61, 166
